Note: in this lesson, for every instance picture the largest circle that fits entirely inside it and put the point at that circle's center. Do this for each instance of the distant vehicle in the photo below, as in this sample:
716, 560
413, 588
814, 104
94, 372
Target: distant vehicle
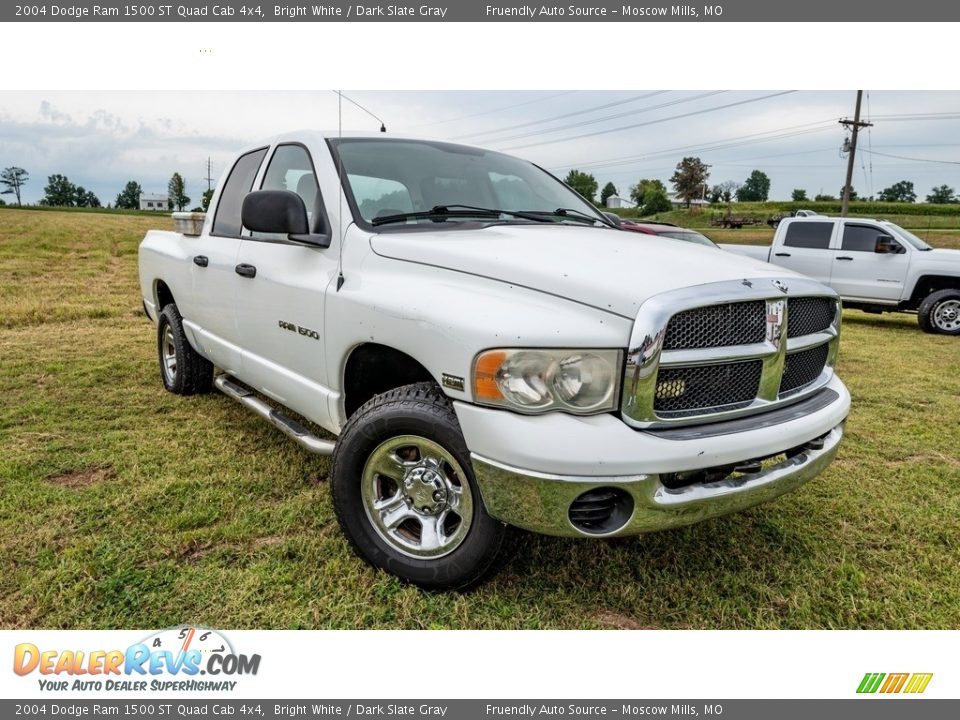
775, 220
668, 230
876, 266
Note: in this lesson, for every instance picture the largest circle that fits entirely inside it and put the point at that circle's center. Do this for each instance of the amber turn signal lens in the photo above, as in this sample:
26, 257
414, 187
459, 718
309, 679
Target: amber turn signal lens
485, 375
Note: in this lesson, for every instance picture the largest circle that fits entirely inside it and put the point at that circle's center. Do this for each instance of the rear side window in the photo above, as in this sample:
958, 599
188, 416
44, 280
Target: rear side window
239, 183
861, 238
814, 235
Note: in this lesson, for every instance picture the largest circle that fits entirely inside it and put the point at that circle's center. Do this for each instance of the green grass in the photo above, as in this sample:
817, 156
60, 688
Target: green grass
124, 506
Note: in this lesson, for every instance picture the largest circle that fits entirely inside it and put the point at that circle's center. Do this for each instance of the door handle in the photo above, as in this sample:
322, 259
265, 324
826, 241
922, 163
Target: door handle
844, 257
246, 270
201, 260
782, 254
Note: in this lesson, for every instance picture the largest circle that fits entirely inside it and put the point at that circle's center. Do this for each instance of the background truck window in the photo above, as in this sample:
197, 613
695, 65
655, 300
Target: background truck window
380, 196
861, 238
814, 235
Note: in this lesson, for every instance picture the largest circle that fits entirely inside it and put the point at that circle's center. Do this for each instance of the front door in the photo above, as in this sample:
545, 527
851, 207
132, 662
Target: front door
861, 272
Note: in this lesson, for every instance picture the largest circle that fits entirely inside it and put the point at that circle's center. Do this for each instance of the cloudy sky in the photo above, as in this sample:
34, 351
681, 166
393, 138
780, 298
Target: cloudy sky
102, 139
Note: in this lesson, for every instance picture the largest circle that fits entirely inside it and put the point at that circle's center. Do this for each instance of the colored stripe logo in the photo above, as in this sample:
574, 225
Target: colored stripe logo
913, 683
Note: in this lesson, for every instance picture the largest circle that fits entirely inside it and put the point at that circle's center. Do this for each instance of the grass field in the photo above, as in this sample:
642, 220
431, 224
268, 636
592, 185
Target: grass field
124, 506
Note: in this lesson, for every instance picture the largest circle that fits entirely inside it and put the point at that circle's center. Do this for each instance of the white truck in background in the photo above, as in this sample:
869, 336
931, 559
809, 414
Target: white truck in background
875, 266
489, 350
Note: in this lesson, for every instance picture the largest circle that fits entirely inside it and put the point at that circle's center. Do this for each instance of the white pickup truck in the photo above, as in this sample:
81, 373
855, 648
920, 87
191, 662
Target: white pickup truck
874, 265
489, 350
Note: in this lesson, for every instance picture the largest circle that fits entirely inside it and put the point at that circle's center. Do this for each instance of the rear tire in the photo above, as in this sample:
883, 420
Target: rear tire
405, 494
940, 312
182, 369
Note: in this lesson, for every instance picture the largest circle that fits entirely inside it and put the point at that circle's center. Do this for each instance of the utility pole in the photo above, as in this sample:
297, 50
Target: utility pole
209, 177
854, 127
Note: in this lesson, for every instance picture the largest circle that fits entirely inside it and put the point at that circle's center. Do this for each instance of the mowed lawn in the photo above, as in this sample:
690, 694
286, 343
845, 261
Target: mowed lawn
124, 506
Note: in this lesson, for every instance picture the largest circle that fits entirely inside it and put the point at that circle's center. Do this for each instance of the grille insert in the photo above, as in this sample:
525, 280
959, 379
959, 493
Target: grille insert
802, 368
691, 390
809, 315
717, 326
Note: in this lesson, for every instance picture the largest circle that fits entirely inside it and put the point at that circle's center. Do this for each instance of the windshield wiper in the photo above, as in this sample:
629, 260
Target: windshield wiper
442, 212
571, 213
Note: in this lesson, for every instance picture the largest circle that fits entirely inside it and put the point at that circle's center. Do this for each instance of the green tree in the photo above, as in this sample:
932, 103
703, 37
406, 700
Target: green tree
853, 192
609, 190
177, 192
820, 197
85, 198
756, 188
129, 197
941, 195
59, 192
13, 179
690, 178
799, 195
899, 192
639, 191
205, 200
656, 201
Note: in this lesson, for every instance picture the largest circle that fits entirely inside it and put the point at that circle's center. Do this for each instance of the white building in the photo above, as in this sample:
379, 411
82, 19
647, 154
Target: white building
615, 201
154, 201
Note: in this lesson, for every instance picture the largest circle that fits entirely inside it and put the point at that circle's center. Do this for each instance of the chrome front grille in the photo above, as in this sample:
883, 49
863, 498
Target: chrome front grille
803, 368
683, 391
721, 350
810, 315
717, 326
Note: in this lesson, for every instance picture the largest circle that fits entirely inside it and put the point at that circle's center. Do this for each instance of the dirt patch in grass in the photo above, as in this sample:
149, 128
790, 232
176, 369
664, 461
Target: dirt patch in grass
619, 621
80, 479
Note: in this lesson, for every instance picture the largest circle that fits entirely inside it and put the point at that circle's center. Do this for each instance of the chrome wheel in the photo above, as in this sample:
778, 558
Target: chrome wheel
946, 316
168, 355
417, 497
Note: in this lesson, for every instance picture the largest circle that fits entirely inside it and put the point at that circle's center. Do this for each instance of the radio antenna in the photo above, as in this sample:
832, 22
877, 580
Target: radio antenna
383, 127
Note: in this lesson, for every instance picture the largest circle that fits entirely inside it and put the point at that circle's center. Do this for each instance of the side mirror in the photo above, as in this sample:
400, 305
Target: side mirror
886, 245
281, 212
614, 218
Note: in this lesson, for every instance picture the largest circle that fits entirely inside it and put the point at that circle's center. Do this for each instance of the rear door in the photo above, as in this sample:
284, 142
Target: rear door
806, 248
861, 272
213, 268
280, 309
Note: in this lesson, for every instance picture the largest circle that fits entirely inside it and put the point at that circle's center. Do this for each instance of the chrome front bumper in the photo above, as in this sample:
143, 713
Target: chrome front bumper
541, 502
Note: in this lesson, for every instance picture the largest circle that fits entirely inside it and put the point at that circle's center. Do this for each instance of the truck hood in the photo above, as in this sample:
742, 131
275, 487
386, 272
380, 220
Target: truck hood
942, 255
610, 270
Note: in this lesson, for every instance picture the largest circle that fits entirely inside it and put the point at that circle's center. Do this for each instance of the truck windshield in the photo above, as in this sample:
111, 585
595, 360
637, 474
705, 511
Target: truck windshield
909, 237
403, 182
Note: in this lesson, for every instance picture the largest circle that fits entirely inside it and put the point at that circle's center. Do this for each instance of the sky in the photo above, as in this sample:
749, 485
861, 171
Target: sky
103, 139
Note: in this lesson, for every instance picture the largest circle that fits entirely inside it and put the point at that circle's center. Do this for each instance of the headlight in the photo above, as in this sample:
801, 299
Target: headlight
535, 381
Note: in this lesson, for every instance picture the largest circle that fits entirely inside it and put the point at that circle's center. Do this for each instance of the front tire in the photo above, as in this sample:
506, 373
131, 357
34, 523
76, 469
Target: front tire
405, 494
940, 312
182, 369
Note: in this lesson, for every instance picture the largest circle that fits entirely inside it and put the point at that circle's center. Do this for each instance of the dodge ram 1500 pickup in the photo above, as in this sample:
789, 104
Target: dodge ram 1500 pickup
489, 351
876, 266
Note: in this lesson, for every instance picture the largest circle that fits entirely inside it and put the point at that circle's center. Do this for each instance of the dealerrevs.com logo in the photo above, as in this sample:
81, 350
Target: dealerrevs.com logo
180, 659
892, 683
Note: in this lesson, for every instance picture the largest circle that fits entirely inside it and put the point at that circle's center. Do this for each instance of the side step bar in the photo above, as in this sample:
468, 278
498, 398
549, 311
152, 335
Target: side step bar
286, 425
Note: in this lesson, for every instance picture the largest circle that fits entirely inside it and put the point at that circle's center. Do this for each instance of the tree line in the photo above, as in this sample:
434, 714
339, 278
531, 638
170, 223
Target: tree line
690, 183
60, 192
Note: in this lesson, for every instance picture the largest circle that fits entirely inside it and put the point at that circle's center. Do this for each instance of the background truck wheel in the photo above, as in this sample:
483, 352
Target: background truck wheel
940, 312
405, 494
182, 370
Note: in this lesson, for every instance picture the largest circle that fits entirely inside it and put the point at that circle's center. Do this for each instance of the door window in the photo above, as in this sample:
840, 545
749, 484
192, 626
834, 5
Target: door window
813, 235
240, 181
291, 169
861, 238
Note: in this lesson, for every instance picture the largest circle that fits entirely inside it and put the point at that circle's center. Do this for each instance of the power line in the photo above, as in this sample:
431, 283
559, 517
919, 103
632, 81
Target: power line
922, 160
655, 122
726, 143
607, 118
562, 117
